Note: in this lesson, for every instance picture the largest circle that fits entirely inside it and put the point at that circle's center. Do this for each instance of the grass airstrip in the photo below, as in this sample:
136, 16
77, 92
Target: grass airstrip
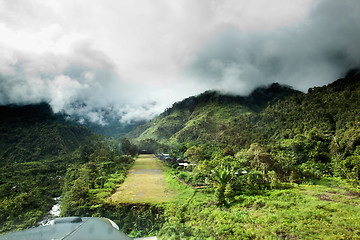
145, 183
328, 208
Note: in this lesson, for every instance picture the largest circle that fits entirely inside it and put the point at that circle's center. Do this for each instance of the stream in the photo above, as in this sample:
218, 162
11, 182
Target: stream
53, 213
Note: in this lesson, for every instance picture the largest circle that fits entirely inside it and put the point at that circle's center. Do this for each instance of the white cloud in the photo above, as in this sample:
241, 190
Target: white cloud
63, 91
140, 56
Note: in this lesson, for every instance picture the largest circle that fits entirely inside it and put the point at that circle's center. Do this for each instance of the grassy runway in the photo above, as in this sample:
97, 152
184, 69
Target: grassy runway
145, 183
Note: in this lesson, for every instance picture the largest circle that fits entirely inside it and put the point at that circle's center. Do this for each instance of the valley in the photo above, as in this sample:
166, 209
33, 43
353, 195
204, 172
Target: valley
276, 164
180, 120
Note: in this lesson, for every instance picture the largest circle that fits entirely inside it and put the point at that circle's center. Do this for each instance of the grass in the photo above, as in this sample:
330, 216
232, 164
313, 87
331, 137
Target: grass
145, 183
327, 209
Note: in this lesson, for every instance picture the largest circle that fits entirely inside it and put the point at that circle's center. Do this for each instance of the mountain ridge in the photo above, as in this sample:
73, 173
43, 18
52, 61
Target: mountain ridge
210, 109
256, 100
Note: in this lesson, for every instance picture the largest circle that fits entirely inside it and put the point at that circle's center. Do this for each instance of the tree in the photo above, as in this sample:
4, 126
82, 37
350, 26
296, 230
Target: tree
128, 148
259, 158
221, 179
194, 154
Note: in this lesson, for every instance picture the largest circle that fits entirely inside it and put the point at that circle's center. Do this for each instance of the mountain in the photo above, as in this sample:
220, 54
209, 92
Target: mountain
36, 148
275, 130
329, 109
32, 132
205, 116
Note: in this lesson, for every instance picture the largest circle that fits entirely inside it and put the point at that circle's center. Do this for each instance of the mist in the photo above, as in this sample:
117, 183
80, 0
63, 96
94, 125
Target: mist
134, 59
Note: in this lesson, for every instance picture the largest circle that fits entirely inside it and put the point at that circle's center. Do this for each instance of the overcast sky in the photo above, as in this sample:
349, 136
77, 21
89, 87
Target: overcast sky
137, 57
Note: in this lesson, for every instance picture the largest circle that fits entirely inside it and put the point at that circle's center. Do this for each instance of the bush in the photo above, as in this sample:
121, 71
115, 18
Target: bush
184, 176
110, 185
255, 180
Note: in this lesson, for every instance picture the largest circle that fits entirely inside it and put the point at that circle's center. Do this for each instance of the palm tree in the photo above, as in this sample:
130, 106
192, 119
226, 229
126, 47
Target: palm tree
221, 178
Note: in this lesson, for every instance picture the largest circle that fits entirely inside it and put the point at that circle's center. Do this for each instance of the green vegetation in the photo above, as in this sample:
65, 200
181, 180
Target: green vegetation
321, 209
178, 124
128, 148
221, 181
278, 164
36, 148
274, 164
326, 209
202, 117
87, 185
43, 157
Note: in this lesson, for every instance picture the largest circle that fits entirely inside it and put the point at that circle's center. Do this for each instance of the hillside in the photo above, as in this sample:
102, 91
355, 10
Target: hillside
317, 131
45, 157
32, 132
36, 148
275, 113
330, 112
329, 109
205, 116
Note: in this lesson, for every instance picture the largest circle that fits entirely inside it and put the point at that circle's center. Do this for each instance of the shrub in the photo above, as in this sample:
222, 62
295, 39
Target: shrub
184, 176
255, 180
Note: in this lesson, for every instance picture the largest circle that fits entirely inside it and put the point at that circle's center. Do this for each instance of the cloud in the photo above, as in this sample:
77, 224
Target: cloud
311, 52
137, 57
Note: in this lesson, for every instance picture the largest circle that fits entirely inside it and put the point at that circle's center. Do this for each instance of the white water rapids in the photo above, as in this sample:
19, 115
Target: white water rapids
53, 213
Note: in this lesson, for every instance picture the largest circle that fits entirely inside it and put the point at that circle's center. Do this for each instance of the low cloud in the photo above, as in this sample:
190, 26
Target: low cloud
135, 58
312, 52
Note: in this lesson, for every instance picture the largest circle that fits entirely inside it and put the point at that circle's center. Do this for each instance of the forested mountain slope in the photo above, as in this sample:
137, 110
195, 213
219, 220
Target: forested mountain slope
36, 148
203, 117
32, 132
43, 156
329, 111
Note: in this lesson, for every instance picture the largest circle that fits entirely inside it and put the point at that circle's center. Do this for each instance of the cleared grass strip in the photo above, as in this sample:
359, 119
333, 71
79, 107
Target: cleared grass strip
145, 183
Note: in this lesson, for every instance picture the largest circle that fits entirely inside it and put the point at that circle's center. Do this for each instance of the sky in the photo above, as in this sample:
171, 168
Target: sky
135, 58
